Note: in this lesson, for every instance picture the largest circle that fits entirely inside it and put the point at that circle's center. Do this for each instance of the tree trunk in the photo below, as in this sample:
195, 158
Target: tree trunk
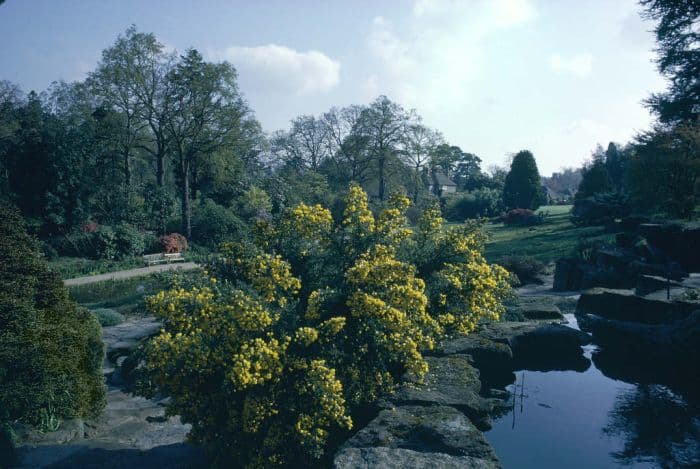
381, 162
186, 209
160, 168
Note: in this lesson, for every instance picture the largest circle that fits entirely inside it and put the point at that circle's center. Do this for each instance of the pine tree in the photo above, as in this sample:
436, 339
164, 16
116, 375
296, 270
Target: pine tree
522, 186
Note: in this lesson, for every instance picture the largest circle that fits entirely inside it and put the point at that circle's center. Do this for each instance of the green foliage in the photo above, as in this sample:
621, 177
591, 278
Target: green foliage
600, 209
678, 60
50, 349
664, 170
523, 217
128, 241
71, 267
8, 453
526, 268
522, 184
214, 224
276, 348
482, 202
595, 181
108, 317
255, 203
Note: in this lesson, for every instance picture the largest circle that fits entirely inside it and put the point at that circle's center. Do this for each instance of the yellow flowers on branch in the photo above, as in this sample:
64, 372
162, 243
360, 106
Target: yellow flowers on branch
288, 335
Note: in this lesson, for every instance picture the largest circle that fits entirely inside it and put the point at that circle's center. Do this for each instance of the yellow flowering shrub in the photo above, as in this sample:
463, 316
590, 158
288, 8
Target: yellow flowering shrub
249, 389
271, 353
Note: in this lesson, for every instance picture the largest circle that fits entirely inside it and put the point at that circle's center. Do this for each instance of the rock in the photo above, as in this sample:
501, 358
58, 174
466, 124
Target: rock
541, 312
624, 305
396, 458
69, 431
438, 434
676, 241
577, 274
451, 381
493, 359
649, 354
670, 270
651, 283
540, 346
123, 338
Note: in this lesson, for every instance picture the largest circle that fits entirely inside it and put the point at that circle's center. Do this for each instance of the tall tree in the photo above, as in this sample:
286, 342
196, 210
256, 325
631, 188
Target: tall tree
349, 158
418, 148
678, 58
206, 114
522, 184
132, 78
382, 127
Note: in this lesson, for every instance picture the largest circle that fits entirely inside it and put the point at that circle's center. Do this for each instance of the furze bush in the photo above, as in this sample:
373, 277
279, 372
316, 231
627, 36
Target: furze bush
283, 340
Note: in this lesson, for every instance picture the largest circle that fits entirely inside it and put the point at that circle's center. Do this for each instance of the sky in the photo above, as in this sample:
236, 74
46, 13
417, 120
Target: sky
494, 76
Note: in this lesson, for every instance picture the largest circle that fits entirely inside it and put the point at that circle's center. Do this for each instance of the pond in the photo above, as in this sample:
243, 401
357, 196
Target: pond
570, 419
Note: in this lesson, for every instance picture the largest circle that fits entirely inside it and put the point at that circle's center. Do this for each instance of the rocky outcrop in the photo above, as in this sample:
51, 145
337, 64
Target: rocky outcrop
540, 346
493, 359
676, 241
451, 381
624, 305
418, 436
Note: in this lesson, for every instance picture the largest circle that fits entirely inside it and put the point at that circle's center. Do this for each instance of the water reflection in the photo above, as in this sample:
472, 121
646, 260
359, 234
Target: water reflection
657, 426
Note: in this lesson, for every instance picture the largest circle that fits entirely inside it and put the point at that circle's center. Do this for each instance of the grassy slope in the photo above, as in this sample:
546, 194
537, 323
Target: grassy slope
556, 238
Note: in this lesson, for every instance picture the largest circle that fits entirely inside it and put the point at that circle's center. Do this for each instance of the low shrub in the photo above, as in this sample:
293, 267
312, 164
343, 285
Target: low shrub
522, 217
128, 241
173, 242
213, 224
600, 209
108, 317
483, 202
527, 268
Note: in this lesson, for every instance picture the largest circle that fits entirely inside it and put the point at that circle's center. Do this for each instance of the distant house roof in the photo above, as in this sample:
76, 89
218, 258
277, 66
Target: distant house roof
443, 180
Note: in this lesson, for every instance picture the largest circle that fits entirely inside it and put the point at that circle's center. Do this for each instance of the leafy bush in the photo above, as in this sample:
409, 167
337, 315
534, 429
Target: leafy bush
173, 242
271, 353
522, 217
483, 202
600, 209
128, 241
212, 224
8, 453
527, 268
255, 203
51, 350
108, 317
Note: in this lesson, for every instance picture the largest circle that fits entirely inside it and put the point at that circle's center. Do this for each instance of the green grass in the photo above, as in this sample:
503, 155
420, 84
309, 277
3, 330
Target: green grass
123, 296
70, 267
554, 239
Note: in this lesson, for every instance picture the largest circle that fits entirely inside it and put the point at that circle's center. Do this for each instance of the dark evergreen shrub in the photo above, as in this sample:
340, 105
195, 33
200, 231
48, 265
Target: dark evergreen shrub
51, 350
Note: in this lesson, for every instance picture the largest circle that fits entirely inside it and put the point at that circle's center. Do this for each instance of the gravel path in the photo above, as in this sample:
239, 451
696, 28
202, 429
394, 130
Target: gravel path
124, 274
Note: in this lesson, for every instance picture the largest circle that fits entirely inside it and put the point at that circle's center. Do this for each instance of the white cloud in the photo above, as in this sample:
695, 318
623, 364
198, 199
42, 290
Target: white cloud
579, 65
282, 69
430, 61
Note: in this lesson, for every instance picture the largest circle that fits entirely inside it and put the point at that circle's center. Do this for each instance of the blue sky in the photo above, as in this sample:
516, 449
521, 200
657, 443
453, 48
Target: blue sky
494, 76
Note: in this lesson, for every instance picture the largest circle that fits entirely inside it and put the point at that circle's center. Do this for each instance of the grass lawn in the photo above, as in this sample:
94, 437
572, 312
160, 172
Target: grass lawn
556, 238
123, 296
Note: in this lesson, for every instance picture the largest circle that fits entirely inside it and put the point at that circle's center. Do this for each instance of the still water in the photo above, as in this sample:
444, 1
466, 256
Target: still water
570, 419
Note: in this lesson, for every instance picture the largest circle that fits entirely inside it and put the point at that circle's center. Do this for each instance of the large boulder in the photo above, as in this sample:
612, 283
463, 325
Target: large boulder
676, 241
397, 458
540, 346
624, 305
649, 354
493, 359
451, 381
124, 338
417, 436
